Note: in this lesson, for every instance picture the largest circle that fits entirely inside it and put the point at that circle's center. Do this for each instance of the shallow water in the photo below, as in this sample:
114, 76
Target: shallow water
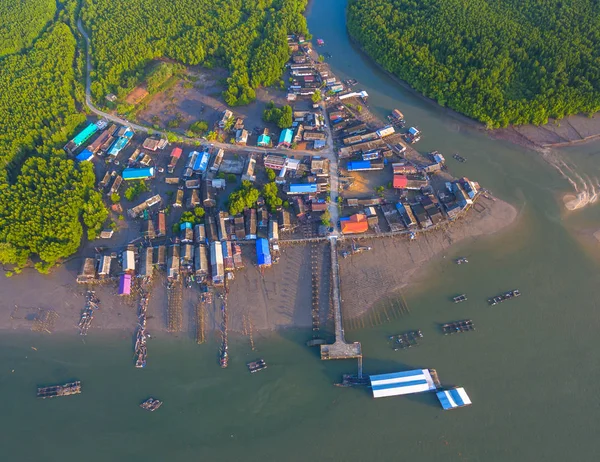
530, 368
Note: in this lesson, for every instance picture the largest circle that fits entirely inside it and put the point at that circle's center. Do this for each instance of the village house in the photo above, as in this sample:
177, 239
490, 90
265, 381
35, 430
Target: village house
227, 114
241, 137
249, 169
355, 224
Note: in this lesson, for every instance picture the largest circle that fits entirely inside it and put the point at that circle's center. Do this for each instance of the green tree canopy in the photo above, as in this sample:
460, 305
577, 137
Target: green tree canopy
249, 38
500, 62
245, 197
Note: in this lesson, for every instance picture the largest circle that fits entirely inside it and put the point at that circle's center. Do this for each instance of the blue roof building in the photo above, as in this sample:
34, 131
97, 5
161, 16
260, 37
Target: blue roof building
201, 163
86, 154
285, 139
138, 173
263, 254
402, 383
264, 140
85, 134
303, 188
451, 399
358, 165
118, 145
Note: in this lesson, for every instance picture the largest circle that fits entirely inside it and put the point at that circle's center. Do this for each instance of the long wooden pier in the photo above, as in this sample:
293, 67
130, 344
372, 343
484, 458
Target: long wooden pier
340, 349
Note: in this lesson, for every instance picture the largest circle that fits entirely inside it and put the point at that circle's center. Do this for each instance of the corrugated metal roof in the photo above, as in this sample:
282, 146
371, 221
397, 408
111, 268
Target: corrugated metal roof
400, 181
451, 399
401, 383
303, 188
86, 154
85, 134
128, 260
263, 254
125, 284
359, 165
138, 173
286, 136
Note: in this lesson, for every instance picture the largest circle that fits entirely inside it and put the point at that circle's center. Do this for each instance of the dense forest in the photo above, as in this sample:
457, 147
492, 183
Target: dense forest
22, 21
44, 198
40, 212
37, 107
248, 37
500, 62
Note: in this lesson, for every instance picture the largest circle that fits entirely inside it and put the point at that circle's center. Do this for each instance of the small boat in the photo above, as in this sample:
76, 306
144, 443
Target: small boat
256, 366
151, 404
320, 42
461, 260
460, 298
459, 158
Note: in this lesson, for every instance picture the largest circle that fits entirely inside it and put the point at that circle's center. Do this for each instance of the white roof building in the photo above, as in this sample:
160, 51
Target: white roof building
402, 383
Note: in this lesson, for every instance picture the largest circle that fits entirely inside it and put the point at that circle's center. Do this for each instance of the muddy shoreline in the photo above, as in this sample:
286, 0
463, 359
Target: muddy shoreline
278, 299
569, 131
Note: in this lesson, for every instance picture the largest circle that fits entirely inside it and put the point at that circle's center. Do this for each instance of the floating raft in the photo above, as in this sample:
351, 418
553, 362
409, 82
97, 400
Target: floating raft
461, 260
458, 326
256, 366
459, 158
453, 398
70, 388
460, 298
406, 340
151, 404
505, 296
350, 380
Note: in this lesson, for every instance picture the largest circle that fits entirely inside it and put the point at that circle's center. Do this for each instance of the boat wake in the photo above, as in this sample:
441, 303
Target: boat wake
586, 189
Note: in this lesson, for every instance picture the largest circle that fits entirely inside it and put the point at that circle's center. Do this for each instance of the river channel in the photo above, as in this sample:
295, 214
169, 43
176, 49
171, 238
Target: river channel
531, 367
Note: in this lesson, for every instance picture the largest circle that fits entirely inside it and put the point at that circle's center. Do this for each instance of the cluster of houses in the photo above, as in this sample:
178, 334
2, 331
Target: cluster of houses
424, 209
126, 266
110, 141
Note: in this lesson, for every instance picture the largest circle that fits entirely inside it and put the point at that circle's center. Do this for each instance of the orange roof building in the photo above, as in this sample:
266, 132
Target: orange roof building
356, 224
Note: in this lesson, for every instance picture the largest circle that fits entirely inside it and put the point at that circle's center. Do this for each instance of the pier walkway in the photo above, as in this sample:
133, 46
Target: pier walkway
340, 349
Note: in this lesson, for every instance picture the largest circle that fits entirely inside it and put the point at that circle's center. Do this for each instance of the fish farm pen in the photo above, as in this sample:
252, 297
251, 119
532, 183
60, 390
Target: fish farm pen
458, 327
44, 321
174, 306
70, 388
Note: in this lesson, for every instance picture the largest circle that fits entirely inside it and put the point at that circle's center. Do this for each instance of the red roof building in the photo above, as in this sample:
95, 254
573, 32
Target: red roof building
400, 181
356, 224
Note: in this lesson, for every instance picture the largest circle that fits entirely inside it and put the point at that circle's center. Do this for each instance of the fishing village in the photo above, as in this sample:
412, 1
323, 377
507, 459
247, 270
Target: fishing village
205, 217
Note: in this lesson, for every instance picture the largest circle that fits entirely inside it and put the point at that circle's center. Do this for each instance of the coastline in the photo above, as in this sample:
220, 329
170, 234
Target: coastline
278, 299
